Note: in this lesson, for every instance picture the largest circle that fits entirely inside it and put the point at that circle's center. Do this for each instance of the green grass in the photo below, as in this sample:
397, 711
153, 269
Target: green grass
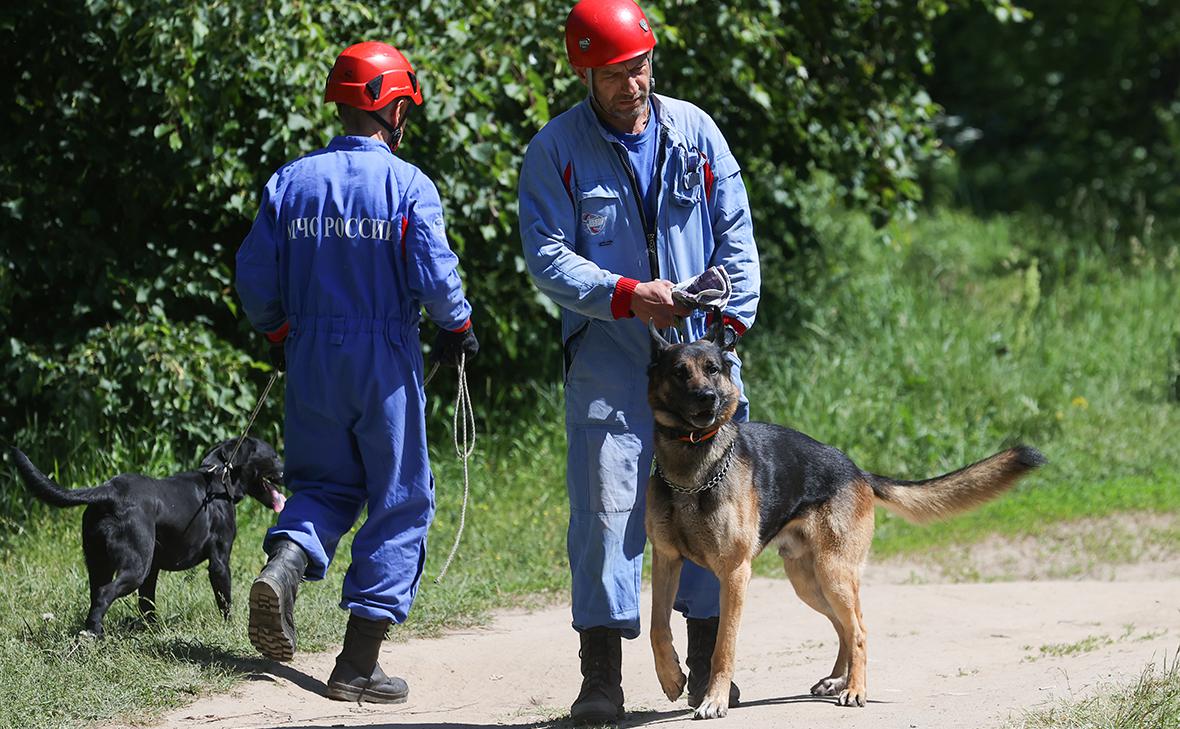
1152, 702
915, 356
949, 343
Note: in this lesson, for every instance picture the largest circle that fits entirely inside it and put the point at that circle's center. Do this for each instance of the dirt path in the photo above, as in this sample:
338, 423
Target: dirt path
940, 656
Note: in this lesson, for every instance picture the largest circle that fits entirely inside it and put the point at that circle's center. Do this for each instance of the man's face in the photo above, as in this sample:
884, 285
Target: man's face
622, 89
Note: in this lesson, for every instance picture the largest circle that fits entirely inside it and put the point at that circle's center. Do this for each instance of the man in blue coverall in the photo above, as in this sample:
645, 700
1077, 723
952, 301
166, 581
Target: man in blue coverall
622, 196
348, 246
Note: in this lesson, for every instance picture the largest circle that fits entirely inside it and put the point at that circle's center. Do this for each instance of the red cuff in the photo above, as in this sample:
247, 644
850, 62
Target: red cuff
620, 302
726, 319
465, 327
279, 334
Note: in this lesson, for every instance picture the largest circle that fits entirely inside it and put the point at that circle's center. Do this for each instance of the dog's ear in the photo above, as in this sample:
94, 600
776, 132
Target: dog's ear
716, 331
723, 336
659, 345
217, 457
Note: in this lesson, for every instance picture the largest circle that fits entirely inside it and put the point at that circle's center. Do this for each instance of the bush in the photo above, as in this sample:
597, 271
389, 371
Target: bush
1079, 116
139, 137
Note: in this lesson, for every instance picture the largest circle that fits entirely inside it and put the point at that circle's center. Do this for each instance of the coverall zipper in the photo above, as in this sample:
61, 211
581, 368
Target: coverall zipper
649, 227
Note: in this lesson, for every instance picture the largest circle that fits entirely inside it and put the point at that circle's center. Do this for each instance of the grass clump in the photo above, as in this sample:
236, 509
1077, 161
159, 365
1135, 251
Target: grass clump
1152, 702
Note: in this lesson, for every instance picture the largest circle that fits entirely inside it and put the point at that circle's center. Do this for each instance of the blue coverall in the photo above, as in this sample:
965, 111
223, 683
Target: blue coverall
585, 246
348, 246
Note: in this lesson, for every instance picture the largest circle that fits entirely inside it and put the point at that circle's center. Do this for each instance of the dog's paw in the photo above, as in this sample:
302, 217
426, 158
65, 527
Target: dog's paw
852, 697
830, 686
88, 635
712, 707
673, 685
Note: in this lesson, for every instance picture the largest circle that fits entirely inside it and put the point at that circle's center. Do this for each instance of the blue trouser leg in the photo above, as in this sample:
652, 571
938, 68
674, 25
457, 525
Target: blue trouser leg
606, 537
389, 551
358, 439
326, 481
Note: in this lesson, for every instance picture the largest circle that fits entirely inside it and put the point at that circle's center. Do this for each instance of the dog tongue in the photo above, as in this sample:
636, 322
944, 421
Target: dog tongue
279, 501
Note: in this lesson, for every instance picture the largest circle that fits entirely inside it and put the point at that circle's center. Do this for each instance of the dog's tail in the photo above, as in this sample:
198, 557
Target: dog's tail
46, 490
959, 491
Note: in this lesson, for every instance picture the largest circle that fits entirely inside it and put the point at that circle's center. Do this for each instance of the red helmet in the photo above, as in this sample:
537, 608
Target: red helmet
369, 75
602, 32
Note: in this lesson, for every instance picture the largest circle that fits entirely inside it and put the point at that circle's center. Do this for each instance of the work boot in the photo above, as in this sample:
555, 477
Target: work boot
702, 637
357, 675
272, 601
601, 698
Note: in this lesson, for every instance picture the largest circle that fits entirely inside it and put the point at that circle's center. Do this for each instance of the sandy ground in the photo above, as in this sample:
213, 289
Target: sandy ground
941, 655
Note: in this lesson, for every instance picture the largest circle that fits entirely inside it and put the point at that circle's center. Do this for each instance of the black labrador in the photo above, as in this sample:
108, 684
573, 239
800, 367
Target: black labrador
134, 525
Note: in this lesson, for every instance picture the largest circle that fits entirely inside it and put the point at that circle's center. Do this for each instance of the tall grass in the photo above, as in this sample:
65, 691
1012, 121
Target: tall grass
1151, 702
916, 355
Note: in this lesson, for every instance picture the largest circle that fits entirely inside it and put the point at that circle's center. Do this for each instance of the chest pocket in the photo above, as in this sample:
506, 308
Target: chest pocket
598, 215
688, 179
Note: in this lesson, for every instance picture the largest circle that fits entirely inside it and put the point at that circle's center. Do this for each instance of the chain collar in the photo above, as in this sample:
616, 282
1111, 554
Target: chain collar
722, 469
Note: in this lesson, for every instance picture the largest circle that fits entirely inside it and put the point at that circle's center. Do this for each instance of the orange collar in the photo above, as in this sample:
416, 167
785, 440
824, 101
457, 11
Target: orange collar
694, 438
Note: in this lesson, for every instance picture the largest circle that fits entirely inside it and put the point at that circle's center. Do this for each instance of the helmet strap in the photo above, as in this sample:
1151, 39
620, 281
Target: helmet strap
395, 133
590, 86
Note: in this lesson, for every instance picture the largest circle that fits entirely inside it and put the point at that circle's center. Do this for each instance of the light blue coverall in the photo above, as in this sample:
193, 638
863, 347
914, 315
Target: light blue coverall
347, 247
585, 246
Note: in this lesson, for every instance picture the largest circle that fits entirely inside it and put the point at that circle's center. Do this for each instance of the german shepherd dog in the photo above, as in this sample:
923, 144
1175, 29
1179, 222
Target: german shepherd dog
134, 526
724, 491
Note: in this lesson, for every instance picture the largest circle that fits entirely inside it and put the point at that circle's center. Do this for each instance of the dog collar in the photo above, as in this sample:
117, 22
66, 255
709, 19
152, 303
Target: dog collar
722, 469
694, 437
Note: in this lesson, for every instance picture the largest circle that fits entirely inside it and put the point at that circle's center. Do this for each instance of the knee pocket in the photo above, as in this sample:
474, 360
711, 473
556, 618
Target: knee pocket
603, 470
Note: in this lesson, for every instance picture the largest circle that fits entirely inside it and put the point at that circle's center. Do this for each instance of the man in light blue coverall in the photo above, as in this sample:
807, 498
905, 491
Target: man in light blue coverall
347, 248
622, 196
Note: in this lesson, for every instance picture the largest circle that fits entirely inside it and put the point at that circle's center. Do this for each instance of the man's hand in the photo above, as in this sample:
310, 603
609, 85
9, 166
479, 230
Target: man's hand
449, 346
652, 300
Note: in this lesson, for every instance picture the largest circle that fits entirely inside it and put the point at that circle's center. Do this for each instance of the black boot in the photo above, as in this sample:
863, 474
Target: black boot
601, 698
357, 675
272, 601
702, 637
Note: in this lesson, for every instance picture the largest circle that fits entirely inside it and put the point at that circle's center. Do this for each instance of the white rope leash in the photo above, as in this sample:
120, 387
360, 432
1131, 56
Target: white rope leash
464, 438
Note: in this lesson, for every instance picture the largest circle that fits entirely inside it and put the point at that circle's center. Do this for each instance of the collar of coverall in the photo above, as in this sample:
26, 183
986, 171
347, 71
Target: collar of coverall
357, 142
661, 112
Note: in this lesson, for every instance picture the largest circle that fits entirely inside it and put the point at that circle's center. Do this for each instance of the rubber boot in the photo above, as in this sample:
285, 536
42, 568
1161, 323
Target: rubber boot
357, 675
601, 698
272, 601
702, 638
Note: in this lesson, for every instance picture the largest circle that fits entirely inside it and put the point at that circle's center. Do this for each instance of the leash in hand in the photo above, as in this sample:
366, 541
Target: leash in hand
464, 438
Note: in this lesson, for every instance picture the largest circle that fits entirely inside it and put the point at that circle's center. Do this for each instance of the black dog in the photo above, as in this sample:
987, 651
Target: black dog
134, 526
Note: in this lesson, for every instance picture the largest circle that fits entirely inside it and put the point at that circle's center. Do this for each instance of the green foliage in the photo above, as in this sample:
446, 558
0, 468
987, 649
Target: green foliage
140, 135
1080, 115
